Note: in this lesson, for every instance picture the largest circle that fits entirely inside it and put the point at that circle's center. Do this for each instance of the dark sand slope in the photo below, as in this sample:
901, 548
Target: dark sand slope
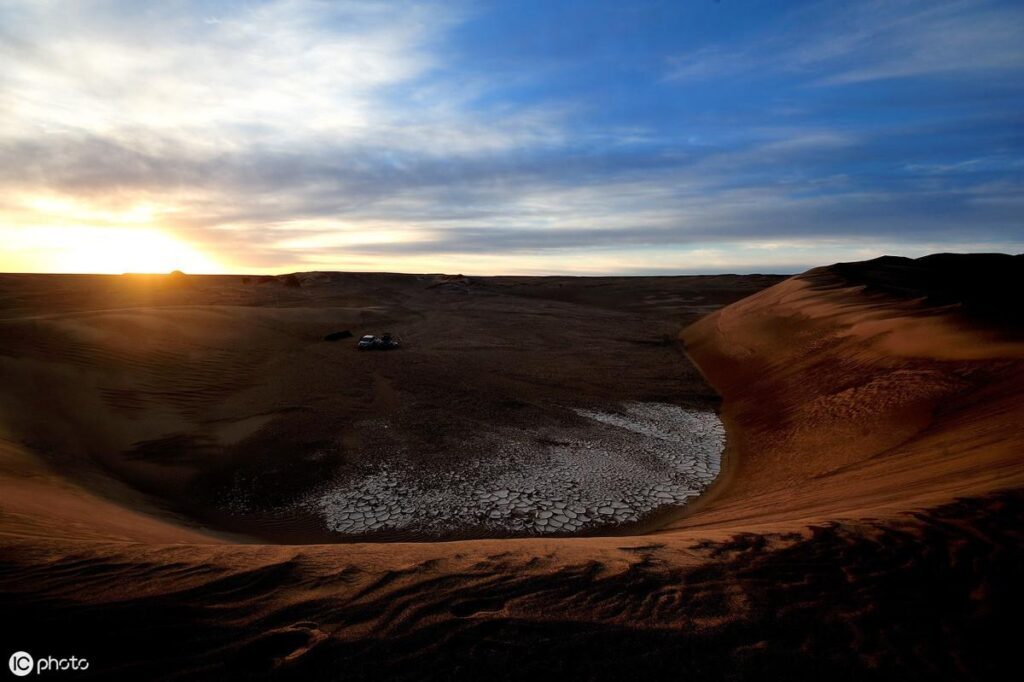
868, 526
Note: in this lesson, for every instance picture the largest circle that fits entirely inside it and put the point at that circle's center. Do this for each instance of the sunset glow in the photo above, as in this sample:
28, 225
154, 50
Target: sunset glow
102, 250
54, 233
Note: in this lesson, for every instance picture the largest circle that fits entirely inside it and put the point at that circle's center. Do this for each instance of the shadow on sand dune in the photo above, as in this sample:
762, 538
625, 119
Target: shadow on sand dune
931, 595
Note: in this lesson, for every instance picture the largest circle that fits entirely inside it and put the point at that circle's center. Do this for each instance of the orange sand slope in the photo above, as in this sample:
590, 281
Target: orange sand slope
867, 522
841, 404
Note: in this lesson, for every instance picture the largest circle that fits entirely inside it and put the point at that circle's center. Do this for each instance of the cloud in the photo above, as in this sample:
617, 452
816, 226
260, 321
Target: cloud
836, 43
289, 74
304, 133
257, 71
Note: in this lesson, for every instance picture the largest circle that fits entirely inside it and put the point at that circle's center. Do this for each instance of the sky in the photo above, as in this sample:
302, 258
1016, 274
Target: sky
519, 137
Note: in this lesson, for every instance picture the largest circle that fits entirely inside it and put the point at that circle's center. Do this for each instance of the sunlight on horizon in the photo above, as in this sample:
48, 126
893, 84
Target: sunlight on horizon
101, 250
47, 232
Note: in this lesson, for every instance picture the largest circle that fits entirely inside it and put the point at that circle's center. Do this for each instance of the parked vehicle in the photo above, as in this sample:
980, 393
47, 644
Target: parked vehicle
383, 342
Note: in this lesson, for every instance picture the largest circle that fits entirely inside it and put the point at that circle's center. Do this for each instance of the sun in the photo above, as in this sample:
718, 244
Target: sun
55, 234
119, 250
100, 250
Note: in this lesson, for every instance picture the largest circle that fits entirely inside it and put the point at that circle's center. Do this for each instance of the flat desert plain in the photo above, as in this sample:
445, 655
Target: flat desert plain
710, 477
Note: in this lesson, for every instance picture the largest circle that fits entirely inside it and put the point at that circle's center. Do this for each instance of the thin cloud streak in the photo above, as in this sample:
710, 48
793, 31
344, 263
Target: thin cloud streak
867, 41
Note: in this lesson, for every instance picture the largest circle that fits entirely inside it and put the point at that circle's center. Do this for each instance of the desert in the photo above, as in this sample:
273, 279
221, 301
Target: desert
182, 457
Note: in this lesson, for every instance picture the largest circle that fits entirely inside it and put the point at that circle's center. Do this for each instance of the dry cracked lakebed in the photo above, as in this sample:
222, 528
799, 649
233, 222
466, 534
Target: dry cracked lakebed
608, 468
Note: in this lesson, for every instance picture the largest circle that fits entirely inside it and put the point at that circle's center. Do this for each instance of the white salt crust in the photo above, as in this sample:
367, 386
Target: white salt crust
617, 469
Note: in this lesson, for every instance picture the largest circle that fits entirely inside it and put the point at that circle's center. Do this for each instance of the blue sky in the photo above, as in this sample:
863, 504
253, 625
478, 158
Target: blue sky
507, 137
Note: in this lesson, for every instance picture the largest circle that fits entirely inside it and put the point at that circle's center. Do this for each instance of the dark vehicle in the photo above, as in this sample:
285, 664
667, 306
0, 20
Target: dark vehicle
383, 342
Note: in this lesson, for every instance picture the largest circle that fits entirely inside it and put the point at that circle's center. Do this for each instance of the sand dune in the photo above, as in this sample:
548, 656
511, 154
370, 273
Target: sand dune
879, 405
866, 522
